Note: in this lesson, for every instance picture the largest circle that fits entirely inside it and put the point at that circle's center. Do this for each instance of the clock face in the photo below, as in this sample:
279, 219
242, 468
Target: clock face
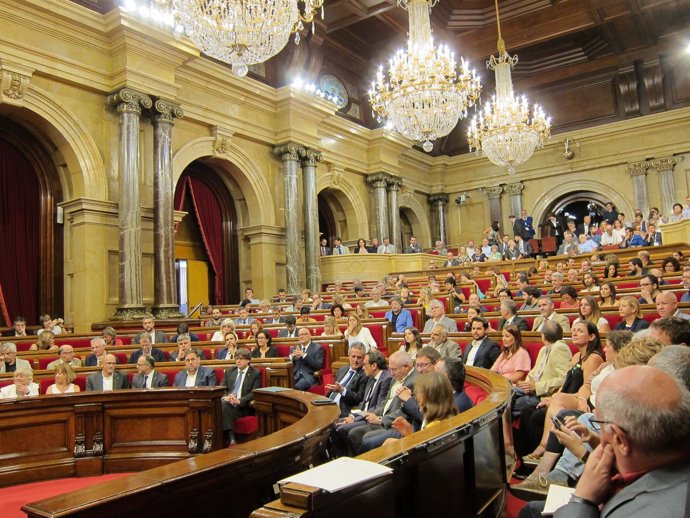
332, 85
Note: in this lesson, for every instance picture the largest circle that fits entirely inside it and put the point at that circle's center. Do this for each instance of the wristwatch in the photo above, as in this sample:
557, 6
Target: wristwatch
579, 500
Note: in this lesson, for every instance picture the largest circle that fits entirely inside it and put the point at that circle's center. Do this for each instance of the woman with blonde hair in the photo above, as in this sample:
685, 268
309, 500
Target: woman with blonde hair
434, 395
631, 315
356, 332
64, 376
45, 342
425, 298
589, 311
330, 327
226, 326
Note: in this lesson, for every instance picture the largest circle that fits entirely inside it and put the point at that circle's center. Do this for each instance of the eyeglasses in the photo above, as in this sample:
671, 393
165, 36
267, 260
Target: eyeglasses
596, 424
422, 365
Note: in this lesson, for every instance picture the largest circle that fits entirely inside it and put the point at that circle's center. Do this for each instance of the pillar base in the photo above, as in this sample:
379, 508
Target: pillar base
166, 312
130, 312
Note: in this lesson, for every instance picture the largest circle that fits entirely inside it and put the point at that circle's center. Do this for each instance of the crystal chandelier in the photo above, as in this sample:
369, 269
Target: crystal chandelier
239, 32
425, 94
504, 130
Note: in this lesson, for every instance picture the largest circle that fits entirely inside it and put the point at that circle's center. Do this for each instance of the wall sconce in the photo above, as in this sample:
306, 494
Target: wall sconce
569, 152
462, 199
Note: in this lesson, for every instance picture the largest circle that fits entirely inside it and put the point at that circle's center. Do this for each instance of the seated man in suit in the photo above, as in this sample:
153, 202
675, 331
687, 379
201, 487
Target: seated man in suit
195, 374
147, 349
547, 312
307, 357
216, 318
184, 345
157, 337
19, 327
509, 316
239, 382
147, 376
243, 318
482, 351
456, 373
108, 378
400, 317
438, 316
350, 381
98, 352
290, 330
8, 358
66, 353
439, 341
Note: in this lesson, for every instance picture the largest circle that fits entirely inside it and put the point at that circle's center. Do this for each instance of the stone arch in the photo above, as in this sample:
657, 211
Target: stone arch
544, 202
419, 221
250, 180
345, 194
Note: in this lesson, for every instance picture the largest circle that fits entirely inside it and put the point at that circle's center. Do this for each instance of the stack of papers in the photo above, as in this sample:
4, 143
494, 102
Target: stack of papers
339, 474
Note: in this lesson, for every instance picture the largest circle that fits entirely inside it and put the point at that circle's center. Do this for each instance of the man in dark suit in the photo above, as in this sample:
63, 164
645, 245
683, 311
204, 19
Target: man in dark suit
147, 349
184, 345
455, 370
195, 374
350, 381
239, 382
97, 352
552, 228
147, 377
524, 246
276, 317
19, 328
482, 351
509, 316
108, 378
290, 330
325, 249
157, 337
307, 357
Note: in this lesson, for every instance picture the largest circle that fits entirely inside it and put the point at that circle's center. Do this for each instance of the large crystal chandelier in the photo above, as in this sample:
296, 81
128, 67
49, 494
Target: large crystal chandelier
425, 94
240, 32
504, 130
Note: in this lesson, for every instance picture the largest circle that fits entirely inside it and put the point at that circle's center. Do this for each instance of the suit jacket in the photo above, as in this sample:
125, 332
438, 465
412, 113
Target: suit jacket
416, 249
448, 349
662, 492
19, 362
324, 250
159, 380
638, 325
161, 338
157, 354
461, 401
309, 363
271, 353
250, 382
283, 333
561, 320
486, 355
354, 392
451, 263
522, 324
340, 250
404, 319
271, 321
450, 324
204, 378
511, 254
95, 381
395, 409
76, 362
553, 371
376, 391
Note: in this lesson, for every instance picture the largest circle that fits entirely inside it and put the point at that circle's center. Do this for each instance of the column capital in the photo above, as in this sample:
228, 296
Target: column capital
394, 183
289, 151
514, 189
378, 180
637, 168
664, 164
129, 101
166, 111
311, 157
492, 192
438, 199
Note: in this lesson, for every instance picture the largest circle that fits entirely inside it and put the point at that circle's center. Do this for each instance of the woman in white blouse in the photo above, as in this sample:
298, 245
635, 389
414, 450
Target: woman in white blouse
356, 332
64, 376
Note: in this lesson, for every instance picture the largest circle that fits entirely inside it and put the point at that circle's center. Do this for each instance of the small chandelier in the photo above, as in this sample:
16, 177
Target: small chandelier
424, 95
239, 32
504, 131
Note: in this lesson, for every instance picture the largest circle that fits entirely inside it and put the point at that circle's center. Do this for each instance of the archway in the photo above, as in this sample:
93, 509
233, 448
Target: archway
575, 205
32, 251
327, 227
413, 216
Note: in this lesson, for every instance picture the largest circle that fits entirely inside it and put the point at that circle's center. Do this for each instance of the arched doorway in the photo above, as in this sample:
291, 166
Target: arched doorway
575, 205
332, 215
208, 233
31, 276
406, 226
327, 227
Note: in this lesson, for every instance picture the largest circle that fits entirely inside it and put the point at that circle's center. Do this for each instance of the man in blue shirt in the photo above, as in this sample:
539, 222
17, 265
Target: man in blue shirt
400, 317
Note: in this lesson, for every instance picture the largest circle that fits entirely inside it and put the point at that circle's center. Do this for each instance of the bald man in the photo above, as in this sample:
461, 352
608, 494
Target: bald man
667, 306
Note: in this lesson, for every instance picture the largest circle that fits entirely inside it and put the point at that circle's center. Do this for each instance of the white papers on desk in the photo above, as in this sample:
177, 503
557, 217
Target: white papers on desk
557, 497
339, 474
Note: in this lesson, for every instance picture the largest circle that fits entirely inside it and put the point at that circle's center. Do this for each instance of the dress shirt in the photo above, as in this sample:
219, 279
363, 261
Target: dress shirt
474, 348
191, 379
108, 383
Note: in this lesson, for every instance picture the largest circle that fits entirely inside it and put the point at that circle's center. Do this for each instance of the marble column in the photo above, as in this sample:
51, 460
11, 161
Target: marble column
379, 182
290, 155
164, 280
638, 172
311, 218
667, 185
128, 104
515, 192
394, 184
494, 195
439, 201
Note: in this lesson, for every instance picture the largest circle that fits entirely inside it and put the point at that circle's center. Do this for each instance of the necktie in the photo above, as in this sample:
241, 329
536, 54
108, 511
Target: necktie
238, 383
335, 396
367, 396
340, 250
146, 382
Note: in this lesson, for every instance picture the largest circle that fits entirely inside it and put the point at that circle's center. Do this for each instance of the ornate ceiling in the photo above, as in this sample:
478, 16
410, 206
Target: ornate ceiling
587, 62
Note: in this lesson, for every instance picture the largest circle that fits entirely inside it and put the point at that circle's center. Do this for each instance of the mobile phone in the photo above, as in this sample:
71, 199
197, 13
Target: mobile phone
325, 401
557, 423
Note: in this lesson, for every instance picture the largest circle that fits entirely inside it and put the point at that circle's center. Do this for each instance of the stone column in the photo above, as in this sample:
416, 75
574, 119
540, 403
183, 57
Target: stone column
394, 184
439, 201
494, 195
311, 218
638, 172
667, 185
128, 104
290, 154
515, 191
379, 182
164, 280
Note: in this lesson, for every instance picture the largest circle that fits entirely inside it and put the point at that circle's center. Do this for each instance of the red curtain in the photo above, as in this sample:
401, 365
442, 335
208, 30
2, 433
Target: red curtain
210, 220
19, 234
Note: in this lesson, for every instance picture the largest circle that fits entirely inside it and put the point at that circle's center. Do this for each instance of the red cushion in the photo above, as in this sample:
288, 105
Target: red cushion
246, 425
45, 360
476, 394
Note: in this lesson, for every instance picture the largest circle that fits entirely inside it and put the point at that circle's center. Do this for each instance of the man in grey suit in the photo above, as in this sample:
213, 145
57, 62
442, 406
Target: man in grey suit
439, 340
438, 316
108, 378
240, 382
8, 359
509, 316
66, 353
195, 374
350, 381
290, 330
641, 467
157, 337
147, 377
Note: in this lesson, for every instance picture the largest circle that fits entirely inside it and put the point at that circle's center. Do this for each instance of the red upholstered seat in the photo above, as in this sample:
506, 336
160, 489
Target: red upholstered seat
533, 349
77, 343
44, 383
45, 360
80, 381
273, 331
476, 394
248, 425
23, 345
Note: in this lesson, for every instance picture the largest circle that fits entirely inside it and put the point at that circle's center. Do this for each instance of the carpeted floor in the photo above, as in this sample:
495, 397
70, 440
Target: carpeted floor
13, 498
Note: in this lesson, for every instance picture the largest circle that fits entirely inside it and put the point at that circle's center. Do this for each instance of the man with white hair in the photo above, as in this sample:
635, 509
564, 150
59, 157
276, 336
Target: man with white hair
438, 316
9, 361
108, 378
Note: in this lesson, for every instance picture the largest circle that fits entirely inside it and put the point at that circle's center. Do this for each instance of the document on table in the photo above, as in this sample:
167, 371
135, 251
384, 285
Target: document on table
557, 497
339, 474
